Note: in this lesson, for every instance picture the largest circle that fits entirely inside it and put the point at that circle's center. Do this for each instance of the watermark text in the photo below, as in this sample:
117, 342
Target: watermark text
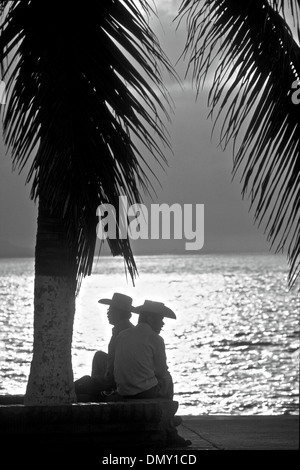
160, 222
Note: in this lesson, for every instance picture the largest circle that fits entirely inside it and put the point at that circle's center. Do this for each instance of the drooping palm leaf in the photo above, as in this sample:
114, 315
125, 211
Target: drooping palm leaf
257, 60
80, 84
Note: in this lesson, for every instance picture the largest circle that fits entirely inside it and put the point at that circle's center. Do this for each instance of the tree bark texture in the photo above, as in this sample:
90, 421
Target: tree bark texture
51, 375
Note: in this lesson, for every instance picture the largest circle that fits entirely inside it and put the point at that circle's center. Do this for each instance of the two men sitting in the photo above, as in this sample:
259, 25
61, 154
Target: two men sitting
136, 364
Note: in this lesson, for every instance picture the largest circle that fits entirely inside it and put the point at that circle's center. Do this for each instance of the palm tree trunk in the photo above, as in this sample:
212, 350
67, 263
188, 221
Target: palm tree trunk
51, 375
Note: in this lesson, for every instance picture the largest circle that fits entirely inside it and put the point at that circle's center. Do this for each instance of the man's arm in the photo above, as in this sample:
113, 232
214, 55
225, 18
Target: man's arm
160, 358
162, 373
109, 373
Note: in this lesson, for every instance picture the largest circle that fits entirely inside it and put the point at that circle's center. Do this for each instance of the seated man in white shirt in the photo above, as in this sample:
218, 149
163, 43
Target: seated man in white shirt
140, 365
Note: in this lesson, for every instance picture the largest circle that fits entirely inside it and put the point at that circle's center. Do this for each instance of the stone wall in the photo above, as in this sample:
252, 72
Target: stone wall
134, 424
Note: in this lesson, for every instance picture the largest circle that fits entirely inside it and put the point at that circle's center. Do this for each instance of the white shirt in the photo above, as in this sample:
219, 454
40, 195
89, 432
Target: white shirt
140, 359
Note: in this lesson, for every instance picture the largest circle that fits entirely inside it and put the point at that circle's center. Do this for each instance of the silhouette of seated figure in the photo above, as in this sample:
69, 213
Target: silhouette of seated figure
140, 365
102, 378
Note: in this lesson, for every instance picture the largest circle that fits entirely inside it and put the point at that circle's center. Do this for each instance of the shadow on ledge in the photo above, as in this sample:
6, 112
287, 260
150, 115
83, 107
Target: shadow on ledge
132, 424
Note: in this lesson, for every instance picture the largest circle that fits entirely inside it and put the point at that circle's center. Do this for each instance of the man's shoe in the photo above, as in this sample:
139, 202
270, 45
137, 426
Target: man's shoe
177, 441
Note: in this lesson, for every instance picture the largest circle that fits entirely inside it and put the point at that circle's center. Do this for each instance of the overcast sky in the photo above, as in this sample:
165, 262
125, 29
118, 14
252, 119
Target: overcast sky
198, 173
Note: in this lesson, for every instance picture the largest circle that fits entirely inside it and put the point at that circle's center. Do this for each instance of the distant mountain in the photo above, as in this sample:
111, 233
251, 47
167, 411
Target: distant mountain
9, 250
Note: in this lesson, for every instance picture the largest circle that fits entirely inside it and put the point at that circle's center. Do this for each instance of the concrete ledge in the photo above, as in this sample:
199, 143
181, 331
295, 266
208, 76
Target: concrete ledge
137, 424
11, 399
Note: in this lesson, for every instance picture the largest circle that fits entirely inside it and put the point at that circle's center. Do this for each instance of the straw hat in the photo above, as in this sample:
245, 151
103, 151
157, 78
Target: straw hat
119, 301
155, 308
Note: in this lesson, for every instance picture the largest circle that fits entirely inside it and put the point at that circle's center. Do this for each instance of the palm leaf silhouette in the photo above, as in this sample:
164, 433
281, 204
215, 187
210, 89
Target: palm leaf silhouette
258, 60
81, 93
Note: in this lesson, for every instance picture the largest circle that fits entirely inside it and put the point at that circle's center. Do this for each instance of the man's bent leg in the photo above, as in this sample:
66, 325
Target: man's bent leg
99, 364
166, 388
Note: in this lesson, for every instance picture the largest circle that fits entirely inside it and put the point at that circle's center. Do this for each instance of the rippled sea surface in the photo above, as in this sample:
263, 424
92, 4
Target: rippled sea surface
234, 348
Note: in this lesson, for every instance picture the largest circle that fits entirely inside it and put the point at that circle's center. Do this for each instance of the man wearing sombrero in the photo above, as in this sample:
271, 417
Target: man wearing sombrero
140, 364
118, 314
101, 379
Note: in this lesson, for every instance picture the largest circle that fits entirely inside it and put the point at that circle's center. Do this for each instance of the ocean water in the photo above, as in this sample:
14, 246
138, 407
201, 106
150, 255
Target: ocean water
234, 348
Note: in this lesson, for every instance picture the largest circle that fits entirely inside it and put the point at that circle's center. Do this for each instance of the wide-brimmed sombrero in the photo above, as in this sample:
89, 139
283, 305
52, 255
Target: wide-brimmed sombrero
119, 301
155, 308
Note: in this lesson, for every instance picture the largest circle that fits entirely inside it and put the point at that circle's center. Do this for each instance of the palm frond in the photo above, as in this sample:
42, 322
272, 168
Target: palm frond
81, 89
288, 8
257, 60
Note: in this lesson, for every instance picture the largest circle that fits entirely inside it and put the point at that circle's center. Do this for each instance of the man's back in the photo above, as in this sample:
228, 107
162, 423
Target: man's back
139, 360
